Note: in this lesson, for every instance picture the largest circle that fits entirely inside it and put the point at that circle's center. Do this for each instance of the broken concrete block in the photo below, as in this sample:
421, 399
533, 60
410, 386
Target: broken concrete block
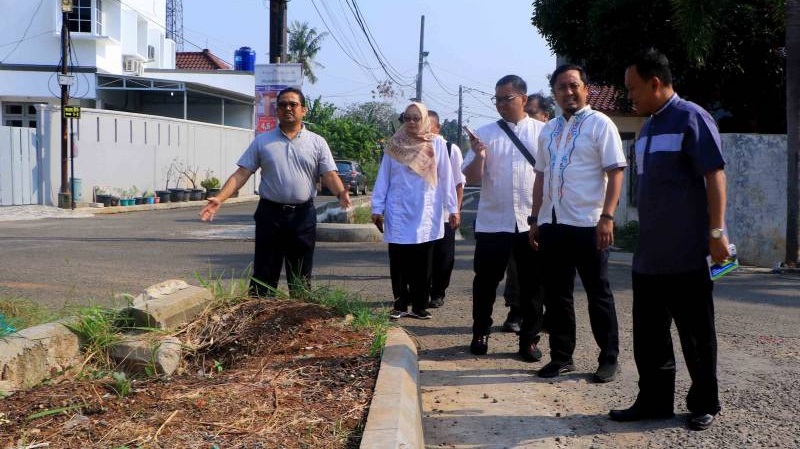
138, 353
168, 307
37, 353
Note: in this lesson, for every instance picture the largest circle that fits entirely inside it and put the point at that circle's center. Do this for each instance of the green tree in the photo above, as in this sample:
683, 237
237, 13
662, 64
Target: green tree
725, 54
304, 44
450, 131
381, 114
350, 137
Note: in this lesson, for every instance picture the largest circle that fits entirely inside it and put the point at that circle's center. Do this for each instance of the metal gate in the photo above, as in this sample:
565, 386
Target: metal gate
19, 167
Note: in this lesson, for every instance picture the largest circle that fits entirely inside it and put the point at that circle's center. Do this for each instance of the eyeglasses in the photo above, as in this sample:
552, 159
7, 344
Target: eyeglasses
506, 99
289, 104
412, 118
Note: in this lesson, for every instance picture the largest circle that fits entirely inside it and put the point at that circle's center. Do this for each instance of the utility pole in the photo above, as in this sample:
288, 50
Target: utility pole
277, 31
793, 131
422, 55
460, 108
64, 197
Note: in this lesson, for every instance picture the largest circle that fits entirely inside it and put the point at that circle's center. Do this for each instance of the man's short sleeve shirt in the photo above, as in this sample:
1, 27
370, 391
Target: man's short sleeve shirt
290, 168
677, 146
573, 157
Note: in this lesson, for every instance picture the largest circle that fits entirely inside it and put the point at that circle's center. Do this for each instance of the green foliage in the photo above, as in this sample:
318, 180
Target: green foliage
627, 236
726, 55
210, 183
362, 215
21, 313
304, 44
450, 131
120, 384
99, 328
380, 114
355, 135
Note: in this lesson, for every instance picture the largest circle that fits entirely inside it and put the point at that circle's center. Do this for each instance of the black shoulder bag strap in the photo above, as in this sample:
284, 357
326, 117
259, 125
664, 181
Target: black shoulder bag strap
518, 143
449, 146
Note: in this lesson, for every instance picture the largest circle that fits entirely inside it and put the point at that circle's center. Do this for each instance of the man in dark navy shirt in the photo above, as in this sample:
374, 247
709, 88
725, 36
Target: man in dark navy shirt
682, 215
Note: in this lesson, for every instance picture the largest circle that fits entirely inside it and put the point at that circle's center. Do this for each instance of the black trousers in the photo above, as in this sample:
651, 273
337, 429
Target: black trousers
511, 288
410, 269
444, 257
285, 235
566, 249
688, 299
492, 251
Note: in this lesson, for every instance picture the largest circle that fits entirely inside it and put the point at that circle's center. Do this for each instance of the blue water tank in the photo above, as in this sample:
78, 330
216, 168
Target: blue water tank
244, 59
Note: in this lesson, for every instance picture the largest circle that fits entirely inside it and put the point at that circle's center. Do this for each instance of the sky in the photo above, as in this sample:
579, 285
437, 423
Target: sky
470, 42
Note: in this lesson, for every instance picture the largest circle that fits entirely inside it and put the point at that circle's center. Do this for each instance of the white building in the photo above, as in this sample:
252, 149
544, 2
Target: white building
120, 59
141, 114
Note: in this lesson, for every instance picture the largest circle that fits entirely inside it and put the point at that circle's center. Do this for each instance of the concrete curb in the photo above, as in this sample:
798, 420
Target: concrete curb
395, 415
163, 206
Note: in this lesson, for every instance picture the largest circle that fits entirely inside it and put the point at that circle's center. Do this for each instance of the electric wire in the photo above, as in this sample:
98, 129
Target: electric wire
436, 78
25, 33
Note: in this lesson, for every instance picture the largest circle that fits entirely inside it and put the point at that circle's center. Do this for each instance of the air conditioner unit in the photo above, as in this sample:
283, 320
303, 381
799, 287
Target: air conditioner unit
151, 52
131, 65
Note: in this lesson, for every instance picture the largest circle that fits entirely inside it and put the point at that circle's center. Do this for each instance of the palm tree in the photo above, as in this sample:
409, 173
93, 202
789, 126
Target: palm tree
304, 44
792, 128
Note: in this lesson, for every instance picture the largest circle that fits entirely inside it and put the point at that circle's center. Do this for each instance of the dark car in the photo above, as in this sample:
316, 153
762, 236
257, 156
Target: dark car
352, 176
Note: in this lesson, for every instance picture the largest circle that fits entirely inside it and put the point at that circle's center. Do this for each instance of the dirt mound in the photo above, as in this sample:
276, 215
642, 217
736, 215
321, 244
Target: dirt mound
261, 374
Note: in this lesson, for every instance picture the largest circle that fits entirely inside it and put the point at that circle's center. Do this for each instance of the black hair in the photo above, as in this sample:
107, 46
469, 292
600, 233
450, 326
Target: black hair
545, 103
433, 114
294, 90
650, 63
517, 83
565, 68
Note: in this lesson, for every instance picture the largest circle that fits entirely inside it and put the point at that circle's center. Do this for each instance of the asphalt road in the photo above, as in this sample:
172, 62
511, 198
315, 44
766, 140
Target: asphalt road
491, 401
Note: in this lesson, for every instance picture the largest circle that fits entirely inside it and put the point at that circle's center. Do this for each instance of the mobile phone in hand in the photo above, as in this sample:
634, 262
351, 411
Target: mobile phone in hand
470, 132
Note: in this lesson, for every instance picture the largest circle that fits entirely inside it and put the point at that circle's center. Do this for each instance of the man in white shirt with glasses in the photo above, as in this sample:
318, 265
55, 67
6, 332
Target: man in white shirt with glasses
505, 171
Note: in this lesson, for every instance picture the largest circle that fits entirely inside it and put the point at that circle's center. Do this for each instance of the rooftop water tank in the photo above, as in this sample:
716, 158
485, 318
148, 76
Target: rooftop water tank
244, 59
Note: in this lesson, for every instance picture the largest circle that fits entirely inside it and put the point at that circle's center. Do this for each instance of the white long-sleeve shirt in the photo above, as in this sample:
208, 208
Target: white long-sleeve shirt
413, 210
507, 178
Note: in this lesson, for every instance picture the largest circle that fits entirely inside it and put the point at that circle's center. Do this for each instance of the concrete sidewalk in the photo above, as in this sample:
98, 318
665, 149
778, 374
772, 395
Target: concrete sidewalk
497, 401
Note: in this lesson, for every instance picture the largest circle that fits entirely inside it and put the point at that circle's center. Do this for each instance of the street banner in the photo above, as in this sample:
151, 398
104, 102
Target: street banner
271, 79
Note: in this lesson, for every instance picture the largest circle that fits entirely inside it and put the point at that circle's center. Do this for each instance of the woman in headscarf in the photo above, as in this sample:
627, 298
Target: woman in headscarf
413, 189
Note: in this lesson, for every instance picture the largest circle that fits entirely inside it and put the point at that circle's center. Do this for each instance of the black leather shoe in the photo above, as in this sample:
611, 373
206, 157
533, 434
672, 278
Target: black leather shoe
529, 352
606, 372
699, 421
513, 320
637, 412
479, 345
435, 303
555, 369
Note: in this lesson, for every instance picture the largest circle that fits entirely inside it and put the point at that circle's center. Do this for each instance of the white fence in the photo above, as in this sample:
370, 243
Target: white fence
19, 166
118, 150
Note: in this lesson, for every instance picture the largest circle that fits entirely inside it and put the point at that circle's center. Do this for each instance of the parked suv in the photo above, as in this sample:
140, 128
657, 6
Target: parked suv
352, 176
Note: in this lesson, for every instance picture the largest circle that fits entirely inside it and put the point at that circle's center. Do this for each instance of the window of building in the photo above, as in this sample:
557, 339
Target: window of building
84, 13
19, 114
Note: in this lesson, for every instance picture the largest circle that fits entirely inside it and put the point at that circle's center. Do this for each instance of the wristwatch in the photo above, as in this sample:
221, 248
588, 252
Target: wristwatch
716, 233
532, 219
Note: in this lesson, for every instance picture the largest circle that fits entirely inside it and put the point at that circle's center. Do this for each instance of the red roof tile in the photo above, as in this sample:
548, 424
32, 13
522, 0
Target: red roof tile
199, 60
608, 99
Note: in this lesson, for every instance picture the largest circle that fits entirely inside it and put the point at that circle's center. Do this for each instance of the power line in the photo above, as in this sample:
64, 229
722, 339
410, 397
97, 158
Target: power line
314, 3
436, 78
25, 33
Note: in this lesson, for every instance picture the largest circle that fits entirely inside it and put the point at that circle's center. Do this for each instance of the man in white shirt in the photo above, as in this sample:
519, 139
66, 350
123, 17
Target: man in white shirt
501, 229
444, 248
579, 173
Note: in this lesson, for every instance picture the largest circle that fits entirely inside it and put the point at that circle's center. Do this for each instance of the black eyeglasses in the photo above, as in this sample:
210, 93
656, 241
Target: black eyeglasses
504, 99
289, 104
412, 118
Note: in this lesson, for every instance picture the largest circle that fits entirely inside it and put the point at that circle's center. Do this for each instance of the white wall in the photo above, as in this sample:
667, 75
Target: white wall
119, 150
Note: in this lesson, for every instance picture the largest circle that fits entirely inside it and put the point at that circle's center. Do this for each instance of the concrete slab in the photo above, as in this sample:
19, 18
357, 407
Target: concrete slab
37, 353
170, 310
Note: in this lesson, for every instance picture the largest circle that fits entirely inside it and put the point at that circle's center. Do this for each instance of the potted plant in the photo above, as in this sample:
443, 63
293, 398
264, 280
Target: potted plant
101, 195
149, 197
211, 184
189, 173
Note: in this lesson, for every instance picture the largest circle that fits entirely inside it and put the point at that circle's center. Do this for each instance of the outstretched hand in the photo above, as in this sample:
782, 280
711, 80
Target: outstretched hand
207, 213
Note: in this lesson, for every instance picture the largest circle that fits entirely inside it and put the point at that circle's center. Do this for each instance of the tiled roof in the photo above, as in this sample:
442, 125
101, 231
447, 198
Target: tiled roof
608, 99
199, 60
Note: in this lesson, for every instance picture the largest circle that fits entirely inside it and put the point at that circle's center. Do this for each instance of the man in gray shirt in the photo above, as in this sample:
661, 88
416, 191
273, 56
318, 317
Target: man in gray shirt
291, 159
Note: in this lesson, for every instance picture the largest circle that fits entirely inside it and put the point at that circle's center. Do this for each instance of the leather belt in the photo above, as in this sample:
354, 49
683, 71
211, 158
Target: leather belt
288, 207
